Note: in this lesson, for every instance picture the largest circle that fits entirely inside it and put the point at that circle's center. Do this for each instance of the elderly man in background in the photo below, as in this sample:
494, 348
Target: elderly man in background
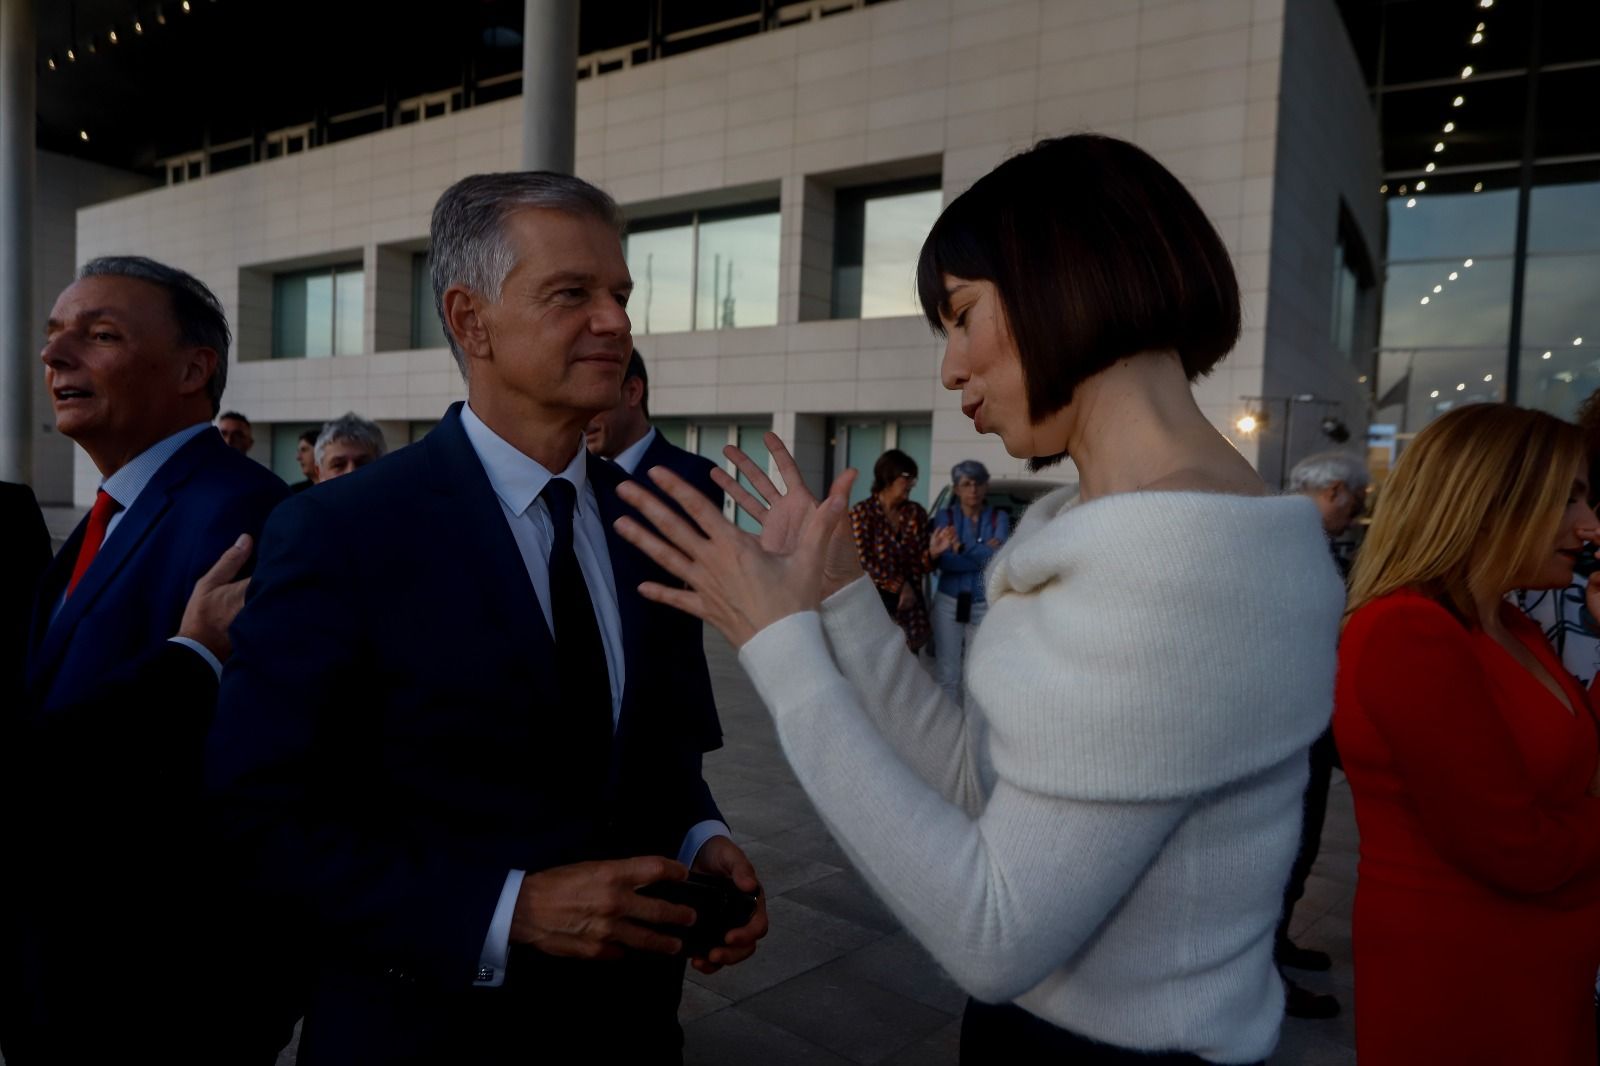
236, 431
347, 444
115, 902
1337, 483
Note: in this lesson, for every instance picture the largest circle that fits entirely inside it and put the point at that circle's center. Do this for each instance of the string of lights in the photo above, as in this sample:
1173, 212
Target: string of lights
144, 17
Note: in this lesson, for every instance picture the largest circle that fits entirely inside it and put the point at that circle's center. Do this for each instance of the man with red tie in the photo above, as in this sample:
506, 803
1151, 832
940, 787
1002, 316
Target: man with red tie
116, 917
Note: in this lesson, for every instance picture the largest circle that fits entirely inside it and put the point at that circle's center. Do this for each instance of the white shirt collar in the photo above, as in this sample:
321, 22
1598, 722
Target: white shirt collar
516, 478
629, 457
130, 480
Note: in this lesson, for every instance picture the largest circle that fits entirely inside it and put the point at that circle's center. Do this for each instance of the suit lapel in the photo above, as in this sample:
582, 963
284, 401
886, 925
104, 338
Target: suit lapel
54, 634
627, 569
496, 564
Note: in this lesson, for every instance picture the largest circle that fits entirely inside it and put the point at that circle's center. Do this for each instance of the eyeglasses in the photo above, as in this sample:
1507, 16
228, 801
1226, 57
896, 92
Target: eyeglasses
909, 477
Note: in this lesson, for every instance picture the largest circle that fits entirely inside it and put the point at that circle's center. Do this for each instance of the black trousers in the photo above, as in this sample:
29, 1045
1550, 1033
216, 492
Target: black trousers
1324, 757
1005, 1033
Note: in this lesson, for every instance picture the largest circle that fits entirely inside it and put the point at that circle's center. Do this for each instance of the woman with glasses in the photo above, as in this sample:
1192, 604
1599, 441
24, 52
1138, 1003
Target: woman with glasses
891, 535
966, 534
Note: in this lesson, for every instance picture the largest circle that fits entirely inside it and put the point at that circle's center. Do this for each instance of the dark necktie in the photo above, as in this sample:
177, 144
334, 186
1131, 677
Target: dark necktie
94, 533
585, 681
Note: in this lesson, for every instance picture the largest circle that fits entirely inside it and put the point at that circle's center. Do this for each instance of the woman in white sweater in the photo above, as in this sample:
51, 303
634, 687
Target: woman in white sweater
1096, 847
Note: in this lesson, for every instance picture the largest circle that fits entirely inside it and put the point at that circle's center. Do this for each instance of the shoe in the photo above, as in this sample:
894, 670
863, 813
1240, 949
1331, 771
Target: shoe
1303, 1003
1292, 955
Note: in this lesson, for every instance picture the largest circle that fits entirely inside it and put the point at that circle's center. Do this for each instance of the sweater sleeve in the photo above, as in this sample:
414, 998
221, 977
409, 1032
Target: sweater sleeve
902, 700
1001, 900
1429, 701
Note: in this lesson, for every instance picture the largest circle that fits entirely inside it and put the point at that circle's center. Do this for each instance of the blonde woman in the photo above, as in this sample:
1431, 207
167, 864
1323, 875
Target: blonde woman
1472, 754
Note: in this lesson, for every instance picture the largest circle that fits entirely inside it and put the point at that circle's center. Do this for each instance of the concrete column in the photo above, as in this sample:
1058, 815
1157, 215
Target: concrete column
18, 346
549, 84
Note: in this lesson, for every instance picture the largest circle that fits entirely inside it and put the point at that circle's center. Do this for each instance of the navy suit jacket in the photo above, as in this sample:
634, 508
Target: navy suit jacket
694, 469
389, 742
109, 739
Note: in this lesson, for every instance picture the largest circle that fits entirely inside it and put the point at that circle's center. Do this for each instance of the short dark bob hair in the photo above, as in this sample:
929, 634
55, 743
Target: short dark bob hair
892, 464
1097, 253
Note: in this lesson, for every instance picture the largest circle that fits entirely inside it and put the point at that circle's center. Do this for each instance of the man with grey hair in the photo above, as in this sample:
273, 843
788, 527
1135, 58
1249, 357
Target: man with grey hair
108, 863
1336, 481
467, 790
346, 444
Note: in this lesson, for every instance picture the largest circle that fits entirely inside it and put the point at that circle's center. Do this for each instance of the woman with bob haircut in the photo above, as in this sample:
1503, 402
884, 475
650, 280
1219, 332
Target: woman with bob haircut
1471, 754
1095, 848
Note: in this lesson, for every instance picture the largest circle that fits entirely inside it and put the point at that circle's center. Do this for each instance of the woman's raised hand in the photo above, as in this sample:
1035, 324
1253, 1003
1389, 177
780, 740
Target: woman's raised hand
737, 582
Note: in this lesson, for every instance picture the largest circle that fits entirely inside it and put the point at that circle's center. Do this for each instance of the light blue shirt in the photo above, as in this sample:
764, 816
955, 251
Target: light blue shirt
517, 481
128, 483
629, 457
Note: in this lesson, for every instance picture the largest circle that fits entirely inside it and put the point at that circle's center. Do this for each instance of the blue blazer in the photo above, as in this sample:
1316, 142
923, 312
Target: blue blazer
108, 741
389, 745
694, 469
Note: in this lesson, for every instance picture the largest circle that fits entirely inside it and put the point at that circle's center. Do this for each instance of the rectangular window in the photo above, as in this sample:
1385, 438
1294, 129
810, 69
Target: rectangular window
426, 329
705, 270
318, 313
1353, 282
862, 442
878, 232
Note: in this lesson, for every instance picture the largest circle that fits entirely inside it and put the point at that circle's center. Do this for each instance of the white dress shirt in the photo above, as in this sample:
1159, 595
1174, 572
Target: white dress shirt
128, 483
517, 481
629, 457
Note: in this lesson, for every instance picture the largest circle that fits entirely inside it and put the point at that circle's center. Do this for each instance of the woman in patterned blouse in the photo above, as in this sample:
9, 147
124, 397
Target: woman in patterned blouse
891, 534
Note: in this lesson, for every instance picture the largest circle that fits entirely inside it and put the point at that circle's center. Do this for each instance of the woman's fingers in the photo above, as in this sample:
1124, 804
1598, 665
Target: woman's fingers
665, 555
705, 514
686, 600
822, 520
788, 469
740, 495
756, 475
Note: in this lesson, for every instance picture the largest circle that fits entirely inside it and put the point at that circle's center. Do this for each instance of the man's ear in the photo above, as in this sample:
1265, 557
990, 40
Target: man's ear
633, 392
199, 364
464, 319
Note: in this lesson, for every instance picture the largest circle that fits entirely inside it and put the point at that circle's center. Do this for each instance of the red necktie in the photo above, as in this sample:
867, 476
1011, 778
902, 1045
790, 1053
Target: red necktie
93, 534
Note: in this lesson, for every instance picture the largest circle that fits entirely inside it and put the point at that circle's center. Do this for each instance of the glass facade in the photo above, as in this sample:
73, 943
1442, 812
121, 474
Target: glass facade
426, 329
318, 313
1492, 186
704, 270
878, 234
861, 442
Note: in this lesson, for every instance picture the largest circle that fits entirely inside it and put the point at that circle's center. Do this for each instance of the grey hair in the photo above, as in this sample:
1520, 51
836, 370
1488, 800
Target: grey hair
202, 323
969, 468
1317, 472
468, 240
354, 429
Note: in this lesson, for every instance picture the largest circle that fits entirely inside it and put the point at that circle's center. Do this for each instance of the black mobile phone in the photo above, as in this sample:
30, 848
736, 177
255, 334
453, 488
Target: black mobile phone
718, 904
963, 607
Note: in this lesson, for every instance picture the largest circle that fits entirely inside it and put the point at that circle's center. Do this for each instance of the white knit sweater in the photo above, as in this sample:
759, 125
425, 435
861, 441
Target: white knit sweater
1104, 834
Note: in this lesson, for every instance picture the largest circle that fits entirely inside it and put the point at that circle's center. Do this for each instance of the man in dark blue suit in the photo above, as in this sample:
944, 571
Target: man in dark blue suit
118, 898
625, 436
464, 777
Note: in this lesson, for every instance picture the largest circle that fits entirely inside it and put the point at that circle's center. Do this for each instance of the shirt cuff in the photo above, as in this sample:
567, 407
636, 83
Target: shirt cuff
497, 945
202, 651
697, 836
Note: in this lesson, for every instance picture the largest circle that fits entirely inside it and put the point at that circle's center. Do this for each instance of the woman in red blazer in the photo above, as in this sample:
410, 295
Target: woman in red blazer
1472, 755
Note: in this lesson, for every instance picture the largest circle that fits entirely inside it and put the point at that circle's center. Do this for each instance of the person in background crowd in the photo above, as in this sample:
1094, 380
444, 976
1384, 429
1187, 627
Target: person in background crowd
236, 432
1337, 483
347, 444
625, 436
1473, 757
120, 901
1563, 613
305, 454
891, 534
1094, 847
966, 534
